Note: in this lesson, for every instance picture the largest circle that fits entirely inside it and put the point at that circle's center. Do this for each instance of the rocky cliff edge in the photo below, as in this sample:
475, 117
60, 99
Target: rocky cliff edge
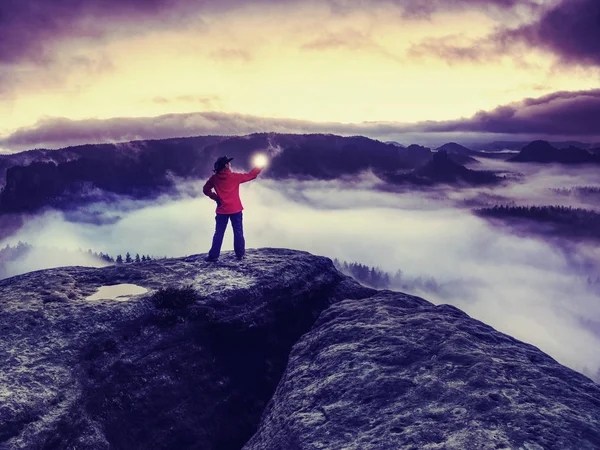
279, 351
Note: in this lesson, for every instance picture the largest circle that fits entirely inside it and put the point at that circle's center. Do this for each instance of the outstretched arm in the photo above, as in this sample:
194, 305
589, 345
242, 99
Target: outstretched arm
243, 177
208, 190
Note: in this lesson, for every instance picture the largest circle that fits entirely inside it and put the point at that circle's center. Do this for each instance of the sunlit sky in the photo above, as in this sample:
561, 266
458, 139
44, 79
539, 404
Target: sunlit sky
333, 61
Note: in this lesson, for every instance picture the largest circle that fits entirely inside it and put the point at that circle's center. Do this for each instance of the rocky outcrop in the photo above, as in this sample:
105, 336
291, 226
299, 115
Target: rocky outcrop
453, 147
278, 351
442, 169
191, 368
544, 152
459, 153
398, 372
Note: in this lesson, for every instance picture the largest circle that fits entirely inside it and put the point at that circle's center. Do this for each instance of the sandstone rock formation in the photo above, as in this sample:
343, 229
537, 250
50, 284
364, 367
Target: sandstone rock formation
279, 351
396, 372
544, 152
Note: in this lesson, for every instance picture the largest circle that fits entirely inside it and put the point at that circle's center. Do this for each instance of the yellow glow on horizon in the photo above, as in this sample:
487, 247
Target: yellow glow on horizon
264, 63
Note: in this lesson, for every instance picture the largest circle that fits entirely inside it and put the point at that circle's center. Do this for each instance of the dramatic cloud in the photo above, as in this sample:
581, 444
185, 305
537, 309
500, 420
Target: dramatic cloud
523, 286
571, 31
50, 132
28, 26
420, 9
60, 132
560, 113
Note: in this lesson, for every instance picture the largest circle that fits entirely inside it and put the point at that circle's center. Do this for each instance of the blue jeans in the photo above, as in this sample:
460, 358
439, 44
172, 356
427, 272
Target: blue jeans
239, 244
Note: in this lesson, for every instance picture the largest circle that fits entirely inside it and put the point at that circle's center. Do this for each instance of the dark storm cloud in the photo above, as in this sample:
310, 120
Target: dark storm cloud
560, 113
571, 31
27, 27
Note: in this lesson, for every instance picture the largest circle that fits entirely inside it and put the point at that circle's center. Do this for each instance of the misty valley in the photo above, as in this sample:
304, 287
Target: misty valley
509, 233
300, 225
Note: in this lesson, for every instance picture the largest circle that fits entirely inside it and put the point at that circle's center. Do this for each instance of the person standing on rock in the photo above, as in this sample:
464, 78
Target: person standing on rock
224, 188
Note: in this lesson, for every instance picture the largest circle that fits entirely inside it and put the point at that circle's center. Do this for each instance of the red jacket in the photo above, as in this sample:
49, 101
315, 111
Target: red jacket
227, 185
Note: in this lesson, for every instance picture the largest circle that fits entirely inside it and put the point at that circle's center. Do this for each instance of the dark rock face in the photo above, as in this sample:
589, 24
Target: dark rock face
459, 153
453, 147
279, 351
544, 152
93, 374
395, 371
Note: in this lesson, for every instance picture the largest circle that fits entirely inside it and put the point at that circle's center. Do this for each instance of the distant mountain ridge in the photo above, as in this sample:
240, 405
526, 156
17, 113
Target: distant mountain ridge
442, 169
73, 176
453, 147
467, 154
518, 145
543, 152
69, 177
143, 169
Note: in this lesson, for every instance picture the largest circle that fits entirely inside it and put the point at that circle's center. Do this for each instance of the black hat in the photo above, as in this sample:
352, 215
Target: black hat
221, 163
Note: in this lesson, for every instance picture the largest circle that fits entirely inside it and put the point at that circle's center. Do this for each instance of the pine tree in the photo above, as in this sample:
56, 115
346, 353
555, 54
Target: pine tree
119, 259
137, 257
143, 257
128, 258
397, 278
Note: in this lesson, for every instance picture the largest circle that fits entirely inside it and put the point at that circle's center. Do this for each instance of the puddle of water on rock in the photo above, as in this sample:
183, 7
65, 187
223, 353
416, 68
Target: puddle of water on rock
119, 292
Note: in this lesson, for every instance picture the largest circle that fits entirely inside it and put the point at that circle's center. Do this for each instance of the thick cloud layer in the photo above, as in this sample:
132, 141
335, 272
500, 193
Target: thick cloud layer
561, 115
525, 286
28, 26
571, 31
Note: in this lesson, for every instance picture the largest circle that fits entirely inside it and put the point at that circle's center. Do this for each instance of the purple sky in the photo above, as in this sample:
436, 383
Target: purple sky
75, 71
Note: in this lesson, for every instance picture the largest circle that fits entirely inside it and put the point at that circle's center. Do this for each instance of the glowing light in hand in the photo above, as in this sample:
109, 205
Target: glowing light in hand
260, 160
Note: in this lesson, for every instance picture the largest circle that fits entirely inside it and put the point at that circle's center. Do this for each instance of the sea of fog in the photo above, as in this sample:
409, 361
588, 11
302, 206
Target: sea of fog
528, 287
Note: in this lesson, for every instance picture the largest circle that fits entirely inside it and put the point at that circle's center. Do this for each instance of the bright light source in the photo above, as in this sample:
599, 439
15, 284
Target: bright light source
260, 160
